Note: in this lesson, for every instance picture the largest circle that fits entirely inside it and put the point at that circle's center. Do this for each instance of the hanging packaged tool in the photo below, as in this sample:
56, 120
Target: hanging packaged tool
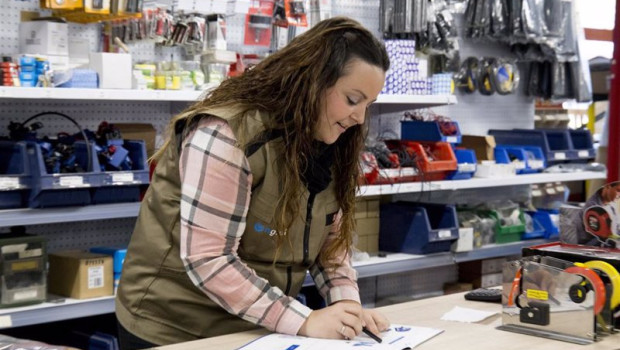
485, 77
258, 24
505, 76
466, 79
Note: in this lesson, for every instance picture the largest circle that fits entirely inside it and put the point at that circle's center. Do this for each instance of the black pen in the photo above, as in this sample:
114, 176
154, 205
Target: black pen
371, 334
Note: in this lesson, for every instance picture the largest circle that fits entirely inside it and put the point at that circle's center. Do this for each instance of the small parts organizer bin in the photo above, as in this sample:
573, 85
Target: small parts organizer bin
25, 180
466, 164
556, 145
15, 175
415, 130
527, 159
124, 185
417, 228
434, 159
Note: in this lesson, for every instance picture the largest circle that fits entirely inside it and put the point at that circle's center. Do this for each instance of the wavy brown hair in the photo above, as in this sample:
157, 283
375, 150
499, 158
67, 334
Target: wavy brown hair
290, 86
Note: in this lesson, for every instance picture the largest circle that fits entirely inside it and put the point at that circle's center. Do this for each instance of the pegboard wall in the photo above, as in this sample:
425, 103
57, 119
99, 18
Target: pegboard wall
82, 235
475, 113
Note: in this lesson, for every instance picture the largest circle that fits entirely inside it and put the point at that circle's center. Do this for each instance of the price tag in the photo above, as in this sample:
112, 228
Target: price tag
444, 234
536, 164
466, 167
6, 322
9, 183
122, 177
71, 181
583, 154
519, 164
452, 139
560, 156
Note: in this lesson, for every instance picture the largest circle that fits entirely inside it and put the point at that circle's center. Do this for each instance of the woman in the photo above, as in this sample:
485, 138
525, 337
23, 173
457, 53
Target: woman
254, 187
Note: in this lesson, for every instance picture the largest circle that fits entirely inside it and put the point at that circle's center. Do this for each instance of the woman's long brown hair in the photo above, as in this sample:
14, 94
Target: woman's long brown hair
290, 86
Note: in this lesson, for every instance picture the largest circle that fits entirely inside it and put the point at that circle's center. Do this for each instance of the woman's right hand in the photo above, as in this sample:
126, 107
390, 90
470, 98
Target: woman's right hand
342, 320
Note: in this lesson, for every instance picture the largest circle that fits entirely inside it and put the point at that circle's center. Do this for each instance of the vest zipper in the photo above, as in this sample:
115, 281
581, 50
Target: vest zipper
289, 278
307, 228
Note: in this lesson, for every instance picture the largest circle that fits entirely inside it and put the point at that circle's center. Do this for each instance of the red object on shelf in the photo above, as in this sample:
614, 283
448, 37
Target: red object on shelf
434, 159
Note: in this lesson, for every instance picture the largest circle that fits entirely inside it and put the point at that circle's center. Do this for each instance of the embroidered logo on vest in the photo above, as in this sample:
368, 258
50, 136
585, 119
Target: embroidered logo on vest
260, 228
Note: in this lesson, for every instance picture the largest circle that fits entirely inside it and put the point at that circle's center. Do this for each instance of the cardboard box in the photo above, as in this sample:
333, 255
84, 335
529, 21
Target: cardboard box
80, 275
43, 38
138, 131
484, 146
114, 69
367, 226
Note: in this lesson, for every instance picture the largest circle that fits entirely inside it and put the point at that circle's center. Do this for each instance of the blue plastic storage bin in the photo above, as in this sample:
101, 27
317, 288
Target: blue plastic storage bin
555, 144
466, 164
582, 143
528, 159
550, 220
54, 190
414, 130
417, 228
15, 175
124, 185
538, 231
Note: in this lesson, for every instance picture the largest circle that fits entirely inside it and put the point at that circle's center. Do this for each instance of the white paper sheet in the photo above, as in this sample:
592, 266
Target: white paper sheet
396, 338
463, 314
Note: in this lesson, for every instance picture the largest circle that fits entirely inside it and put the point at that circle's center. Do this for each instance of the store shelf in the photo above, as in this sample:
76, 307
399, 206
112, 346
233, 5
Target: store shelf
185, 95
65, 309
98, 94
496, 250
526, 179
419, 100
13, 217
395, 263
392, 263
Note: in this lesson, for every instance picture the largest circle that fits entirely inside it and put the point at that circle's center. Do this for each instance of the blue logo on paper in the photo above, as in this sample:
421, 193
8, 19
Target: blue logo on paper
402, 329
364, 343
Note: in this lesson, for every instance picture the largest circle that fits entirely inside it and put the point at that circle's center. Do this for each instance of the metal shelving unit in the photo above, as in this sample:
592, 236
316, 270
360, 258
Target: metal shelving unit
400, 262
421, 101
65, 309
12, 217
526, 179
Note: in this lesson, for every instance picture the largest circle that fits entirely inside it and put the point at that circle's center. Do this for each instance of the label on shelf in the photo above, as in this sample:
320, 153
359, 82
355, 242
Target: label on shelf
466, 167
550, 191
71, 181
559, 156
9, 183
519, 164
444, 234
536, 164
122, 177
452, 139
6, 322
536, 193
583, 154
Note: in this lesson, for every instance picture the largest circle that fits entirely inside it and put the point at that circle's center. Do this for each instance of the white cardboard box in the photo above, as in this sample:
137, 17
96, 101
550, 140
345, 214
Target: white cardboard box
114, 69
43, 38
